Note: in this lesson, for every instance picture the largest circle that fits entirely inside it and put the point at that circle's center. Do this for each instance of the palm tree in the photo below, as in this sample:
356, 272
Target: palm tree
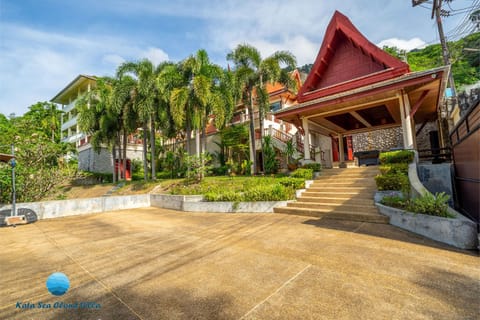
189, 100
144, 103
169, 77
123, 100
204, 92
252, 75
98, 119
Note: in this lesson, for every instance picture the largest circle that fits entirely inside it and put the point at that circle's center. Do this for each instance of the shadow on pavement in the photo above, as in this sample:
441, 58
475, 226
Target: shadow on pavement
384, 231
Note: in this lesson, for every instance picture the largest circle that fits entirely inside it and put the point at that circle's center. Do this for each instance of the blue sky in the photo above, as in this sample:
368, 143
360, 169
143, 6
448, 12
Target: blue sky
46, 44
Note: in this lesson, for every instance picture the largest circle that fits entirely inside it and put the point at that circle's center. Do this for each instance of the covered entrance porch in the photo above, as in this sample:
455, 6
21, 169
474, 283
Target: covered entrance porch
354, 87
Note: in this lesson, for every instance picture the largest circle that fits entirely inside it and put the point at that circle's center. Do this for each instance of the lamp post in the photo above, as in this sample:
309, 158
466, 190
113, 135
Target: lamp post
14, 196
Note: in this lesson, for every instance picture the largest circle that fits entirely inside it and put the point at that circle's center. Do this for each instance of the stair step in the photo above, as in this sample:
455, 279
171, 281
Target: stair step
345, 200
342, 189
342, 215
341, 176
345, 194
345, 183
334, 206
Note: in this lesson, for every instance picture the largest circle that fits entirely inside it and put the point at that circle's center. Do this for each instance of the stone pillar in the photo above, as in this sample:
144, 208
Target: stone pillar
306, 140
341, 153
408, 139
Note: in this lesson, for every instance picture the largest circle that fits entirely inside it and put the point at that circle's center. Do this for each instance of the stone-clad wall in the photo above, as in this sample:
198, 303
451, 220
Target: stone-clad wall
387, 139
90, 160
423, 138
384, 139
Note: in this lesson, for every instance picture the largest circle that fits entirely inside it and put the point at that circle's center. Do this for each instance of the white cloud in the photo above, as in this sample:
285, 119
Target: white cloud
113, 59
156, 55
35, 65
414, 43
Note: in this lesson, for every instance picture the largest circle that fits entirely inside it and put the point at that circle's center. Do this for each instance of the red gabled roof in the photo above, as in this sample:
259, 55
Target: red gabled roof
347, 60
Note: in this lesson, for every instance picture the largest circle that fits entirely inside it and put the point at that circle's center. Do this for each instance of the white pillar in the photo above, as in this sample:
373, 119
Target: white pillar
306, 140
341, 153
406, 121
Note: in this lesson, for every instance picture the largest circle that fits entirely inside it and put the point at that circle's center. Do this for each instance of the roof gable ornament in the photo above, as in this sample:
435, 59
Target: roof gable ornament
347, 60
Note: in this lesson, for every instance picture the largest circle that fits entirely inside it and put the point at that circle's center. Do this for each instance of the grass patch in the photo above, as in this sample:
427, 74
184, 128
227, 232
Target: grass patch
241, 188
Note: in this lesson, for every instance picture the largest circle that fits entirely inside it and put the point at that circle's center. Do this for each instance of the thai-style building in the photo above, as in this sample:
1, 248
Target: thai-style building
357, 97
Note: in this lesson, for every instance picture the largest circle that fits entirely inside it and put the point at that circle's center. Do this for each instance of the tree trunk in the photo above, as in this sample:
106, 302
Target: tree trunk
119, 167
145, 165
204, 149
114, 170
152, 148
197, 142
189, 134
125, 153
253, 168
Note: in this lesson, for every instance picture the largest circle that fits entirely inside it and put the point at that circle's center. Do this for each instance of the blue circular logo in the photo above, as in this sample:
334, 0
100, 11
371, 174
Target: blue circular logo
58, 283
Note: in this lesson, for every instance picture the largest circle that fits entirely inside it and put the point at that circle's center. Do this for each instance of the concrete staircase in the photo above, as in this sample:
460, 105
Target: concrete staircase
345, 194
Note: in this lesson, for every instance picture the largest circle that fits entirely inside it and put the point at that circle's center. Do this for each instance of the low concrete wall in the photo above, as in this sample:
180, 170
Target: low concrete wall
64, 208
459, 232
174, 202
224, 206
196, 204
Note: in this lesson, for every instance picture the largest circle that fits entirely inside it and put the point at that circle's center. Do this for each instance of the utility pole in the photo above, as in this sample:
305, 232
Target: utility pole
436, 11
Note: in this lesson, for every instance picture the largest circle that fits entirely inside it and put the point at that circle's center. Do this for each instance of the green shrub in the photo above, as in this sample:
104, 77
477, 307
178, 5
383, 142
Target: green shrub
435, 205
399, 156
223, 196
163, 175
392, 182
220, 171
294, 183
394, 201
315, 166
394, 168
306, 174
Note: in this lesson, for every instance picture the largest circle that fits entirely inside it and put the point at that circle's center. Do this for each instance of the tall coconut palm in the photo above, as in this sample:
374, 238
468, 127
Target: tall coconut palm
169, 77
205, 92
252, 75
123, 100
189, 101
98, 119
144, 103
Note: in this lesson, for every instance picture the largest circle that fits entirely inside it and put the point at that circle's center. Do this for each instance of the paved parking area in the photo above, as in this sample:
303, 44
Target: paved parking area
160, 264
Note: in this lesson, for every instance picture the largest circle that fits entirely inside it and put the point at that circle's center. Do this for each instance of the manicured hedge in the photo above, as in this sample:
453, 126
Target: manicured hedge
399, 156
315, 166
390, 181
394, 168
303, 173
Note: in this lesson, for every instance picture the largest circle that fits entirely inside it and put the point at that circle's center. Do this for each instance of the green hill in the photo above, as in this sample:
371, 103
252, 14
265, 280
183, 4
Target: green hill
465, 63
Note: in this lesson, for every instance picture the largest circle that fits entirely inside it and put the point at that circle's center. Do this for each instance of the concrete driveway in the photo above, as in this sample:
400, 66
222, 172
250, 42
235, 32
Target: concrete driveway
160, 264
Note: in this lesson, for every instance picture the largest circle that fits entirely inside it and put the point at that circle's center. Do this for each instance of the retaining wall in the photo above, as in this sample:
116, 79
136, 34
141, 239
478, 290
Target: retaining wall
63, 208
196, 204
459, 232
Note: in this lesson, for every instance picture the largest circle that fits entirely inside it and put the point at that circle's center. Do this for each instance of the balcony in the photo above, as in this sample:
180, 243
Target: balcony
70, 123
73, 138
69, 107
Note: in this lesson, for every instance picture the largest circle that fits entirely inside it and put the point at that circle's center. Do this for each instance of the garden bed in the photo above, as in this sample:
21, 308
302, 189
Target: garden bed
459, 231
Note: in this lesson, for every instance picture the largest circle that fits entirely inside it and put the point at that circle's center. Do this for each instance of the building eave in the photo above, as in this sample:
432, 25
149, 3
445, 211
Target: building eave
400, 82
58, 96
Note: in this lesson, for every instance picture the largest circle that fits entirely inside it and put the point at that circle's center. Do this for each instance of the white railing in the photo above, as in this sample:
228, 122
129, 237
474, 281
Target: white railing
69, 123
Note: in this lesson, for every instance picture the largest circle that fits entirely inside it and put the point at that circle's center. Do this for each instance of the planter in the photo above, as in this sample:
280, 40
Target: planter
459, 232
